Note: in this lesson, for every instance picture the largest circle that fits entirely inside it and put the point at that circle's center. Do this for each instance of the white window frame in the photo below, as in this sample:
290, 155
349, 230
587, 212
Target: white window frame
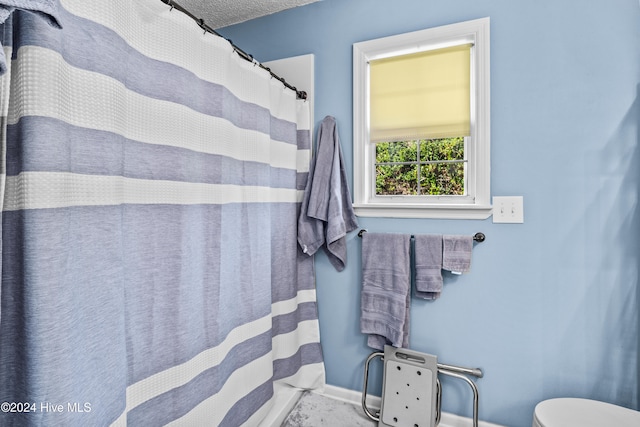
476, 204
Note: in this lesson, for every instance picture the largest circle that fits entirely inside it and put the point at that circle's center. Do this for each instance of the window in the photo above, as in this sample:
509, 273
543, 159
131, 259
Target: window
421, 123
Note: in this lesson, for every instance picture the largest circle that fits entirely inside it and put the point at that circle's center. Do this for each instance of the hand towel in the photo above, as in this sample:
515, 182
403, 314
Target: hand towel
456, 253
327, 213
46, 9
428, 266
386, 284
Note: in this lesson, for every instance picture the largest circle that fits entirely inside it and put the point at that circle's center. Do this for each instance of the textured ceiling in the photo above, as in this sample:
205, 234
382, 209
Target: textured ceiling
221, 13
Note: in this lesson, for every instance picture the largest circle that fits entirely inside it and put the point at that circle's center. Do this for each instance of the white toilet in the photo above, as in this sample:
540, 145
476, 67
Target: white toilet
571, 412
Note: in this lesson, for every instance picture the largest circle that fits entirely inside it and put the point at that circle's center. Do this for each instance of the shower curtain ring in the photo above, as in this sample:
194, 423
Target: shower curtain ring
201, 25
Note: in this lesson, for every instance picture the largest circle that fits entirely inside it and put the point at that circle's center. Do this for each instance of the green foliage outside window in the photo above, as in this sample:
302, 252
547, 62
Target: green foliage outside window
423, 167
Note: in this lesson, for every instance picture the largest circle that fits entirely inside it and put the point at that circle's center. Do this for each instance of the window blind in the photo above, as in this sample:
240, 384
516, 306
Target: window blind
423, 95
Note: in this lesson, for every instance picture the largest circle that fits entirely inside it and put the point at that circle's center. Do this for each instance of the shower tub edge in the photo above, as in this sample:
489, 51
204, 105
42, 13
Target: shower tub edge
286, 397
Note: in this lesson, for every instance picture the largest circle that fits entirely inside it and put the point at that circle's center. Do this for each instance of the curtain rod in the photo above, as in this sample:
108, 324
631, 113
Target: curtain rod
300, 94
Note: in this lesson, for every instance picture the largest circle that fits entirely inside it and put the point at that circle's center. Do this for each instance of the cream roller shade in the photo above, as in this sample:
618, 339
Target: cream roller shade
421, 95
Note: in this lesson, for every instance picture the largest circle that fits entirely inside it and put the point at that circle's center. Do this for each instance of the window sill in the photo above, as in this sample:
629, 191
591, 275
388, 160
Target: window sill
424, 211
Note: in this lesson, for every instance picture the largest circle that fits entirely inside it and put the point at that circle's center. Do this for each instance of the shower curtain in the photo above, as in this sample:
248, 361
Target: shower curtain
151, 180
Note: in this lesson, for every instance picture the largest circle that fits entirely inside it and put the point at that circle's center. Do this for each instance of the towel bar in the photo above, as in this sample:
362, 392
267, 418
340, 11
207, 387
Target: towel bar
449, 370
478, 237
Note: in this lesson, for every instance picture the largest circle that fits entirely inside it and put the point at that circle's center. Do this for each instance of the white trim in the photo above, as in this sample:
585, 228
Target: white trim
365, 204
424, 211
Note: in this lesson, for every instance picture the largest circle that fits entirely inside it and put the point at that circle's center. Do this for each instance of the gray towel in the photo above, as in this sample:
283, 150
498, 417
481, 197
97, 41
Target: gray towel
428, 266
456, 253
46, 9
386, 284
327, 213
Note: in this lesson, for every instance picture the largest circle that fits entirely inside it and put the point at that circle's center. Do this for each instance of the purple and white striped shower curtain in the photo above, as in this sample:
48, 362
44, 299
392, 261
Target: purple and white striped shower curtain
151, 182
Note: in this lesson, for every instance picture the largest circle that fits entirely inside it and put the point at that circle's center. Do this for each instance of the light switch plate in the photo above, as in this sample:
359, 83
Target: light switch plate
508, 210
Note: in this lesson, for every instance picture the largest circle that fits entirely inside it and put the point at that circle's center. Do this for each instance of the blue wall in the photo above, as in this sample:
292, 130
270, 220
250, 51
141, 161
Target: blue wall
550, 307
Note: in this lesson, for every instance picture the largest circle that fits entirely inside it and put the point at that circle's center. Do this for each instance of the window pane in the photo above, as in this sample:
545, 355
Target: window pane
393, 180
403, 151
442, 179
442, 149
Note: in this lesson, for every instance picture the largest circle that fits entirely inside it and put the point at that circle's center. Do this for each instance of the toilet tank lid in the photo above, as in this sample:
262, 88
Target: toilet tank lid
573, 412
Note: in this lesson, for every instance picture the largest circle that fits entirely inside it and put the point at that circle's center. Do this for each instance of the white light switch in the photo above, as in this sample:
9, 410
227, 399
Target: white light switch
508, 209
